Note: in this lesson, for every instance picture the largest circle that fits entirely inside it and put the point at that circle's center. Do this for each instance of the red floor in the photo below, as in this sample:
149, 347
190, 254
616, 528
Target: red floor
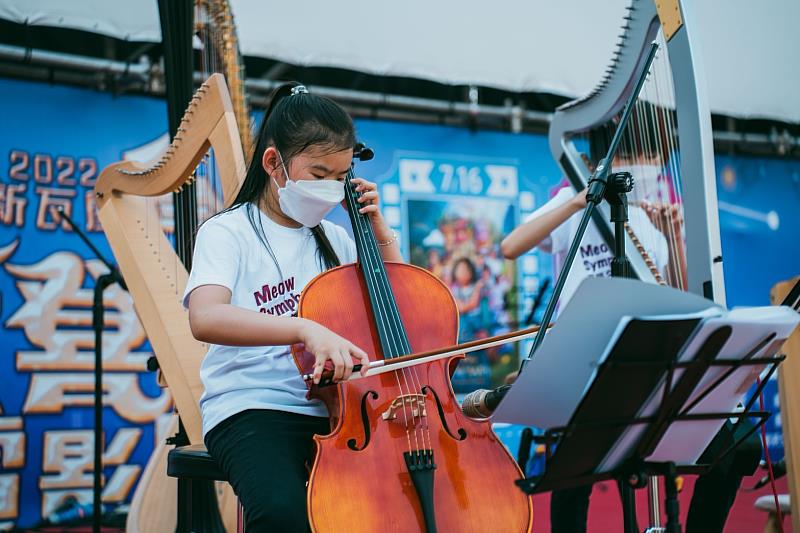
605, 509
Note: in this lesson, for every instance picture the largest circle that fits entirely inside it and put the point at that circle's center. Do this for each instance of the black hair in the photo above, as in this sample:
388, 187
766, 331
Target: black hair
292, 123
646, 134
473, 272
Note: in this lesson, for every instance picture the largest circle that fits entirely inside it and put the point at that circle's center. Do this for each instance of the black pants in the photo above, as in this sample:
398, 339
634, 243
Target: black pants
713, 495
715, 492
264, 454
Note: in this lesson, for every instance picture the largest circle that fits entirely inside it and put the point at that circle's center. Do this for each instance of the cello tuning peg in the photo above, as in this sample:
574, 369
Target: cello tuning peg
362, 153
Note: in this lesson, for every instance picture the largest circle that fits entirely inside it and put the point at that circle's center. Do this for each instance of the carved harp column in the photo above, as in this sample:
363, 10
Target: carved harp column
155, 276
671, 130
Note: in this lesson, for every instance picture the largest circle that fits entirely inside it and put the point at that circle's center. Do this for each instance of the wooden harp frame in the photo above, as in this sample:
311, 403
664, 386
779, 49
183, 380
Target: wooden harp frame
788, 380
154, 274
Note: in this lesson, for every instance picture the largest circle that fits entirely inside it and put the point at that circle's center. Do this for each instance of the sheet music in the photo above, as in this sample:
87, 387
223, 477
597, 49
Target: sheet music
756, 332
552, 384
685, 441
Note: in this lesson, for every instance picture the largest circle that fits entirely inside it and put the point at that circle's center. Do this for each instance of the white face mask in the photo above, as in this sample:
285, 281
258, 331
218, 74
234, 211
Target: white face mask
308, 201
648, 183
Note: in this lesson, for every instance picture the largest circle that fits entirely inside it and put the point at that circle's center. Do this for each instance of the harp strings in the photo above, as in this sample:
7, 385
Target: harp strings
202, 193
657, 199
212, 59
215, 50
649, 150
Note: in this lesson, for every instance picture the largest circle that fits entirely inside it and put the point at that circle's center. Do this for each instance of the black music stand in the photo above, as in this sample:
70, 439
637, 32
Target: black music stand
661, 377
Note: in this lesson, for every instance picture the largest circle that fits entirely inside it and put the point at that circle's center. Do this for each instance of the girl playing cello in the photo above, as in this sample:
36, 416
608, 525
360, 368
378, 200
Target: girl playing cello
250, 264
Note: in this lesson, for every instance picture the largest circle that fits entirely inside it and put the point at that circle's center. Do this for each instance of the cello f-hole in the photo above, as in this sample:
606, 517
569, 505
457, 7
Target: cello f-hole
352, 443
462, 434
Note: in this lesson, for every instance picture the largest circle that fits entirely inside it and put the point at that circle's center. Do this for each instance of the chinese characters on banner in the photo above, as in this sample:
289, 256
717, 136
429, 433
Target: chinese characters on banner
55, 317
47, 276
56, 183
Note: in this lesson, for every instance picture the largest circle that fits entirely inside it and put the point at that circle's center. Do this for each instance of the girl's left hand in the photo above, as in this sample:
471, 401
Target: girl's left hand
369, 197
386, 238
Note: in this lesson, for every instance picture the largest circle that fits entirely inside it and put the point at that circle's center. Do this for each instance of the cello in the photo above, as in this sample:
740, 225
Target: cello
401, 456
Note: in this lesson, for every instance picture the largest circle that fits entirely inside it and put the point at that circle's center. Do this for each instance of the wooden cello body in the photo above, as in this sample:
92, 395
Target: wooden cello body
401, 455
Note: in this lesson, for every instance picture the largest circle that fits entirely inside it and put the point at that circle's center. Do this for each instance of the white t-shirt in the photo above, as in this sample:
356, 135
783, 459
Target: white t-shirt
228, 252
594, 255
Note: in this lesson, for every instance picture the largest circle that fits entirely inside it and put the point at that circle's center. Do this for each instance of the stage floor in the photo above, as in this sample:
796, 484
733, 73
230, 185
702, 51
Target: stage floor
605, 508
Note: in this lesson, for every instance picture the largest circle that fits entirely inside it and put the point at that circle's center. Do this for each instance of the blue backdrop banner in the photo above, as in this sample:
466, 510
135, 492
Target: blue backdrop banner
451, 194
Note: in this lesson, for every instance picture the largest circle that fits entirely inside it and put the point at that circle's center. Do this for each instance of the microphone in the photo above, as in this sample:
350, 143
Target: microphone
482, 402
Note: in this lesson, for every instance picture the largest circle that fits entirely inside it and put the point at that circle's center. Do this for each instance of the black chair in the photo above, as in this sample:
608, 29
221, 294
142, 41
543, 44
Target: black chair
196, 471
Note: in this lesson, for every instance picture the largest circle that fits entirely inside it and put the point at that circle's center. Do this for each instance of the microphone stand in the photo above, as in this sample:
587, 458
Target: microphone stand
537, 301
601, 185
98, 322
612, 187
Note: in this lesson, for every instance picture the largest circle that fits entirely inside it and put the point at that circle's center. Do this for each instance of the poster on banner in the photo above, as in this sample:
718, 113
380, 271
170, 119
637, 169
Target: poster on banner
452, 195
455, 212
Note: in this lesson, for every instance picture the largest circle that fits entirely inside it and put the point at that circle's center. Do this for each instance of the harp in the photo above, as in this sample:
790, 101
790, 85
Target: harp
668, 148
152, 270
205, 162
207, 151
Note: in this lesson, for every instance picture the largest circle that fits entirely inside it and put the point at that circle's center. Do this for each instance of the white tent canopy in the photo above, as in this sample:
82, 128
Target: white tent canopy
749, 49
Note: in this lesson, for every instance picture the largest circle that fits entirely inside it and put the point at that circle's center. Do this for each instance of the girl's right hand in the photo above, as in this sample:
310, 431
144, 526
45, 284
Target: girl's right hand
326, 345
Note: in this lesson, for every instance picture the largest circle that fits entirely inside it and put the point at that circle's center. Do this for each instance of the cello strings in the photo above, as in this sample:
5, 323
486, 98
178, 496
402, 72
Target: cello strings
395, 322
374, 266
369, 268
391, 314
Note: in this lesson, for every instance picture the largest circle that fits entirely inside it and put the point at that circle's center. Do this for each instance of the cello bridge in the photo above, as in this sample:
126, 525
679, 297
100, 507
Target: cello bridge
416, 402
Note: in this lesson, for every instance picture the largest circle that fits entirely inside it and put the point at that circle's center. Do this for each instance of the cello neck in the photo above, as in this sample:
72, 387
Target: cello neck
387, 321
